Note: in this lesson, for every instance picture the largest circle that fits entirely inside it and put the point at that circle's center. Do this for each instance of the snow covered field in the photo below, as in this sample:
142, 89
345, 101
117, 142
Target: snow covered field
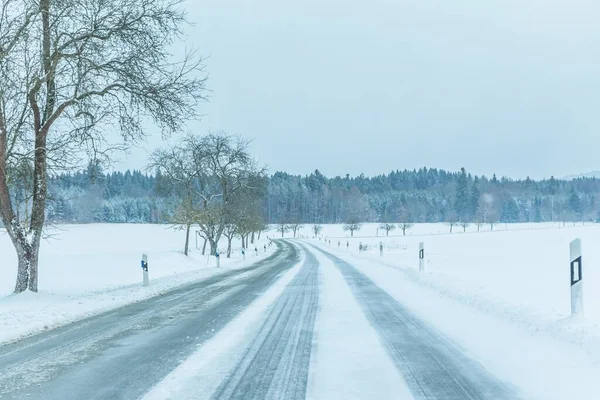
86, 269
520, 270
503, 295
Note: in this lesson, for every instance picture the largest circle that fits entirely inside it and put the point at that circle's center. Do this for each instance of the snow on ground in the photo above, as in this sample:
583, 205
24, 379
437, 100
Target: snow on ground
348, 360
521, 273
201, 373
504, 296
87, 269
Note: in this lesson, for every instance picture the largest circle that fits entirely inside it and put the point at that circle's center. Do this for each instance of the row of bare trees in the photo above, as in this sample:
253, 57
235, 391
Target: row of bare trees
220, 186
71, 71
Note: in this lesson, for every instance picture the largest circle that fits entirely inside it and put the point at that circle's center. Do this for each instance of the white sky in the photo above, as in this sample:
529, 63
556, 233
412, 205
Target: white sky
348, 86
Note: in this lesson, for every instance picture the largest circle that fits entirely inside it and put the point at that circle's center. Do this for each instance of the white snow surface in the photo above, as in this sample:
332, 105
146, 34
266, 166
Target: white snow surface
88, 269
503, 296
520, 271
348, 359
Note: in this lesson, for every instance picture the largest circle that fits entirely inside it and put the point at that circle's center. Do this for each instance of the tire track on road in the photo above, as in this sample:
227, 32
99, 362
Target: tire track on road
276, 363
124, 352
432, 365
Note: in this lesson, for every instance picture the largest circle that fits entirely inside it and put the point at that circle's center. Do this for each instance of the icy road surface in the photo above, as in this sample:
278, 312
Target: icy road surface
301, 324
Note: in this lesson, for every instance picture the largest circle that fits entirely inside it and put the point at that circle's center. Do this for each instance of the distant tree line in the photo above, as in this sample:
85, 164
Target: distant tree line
428, 195
424, 195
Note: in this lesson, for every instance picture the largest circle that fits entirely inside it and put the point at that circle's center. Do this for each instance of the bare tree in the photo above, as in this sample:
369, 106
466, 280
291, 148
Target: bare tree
317, 229
175, 164
352, 225
405, 226
230, 231
283, 228
488, 210
183, 219
295, 227
70, 71
224, 167
243, 217
452, 224
464, 225
211, 170
387, 227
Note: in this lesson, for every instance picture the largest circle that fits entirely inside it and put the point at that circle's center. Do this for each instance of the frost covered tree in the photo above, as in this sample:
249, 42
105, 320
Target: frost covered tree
475, 199
575, 203
510, 211
461, 203
71, 71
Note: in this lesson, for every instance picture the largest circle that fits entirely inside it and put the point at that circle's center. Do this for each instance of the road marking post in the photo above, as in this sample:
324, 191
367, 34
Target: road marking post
218, 256
421, 257
576, 267
145, 269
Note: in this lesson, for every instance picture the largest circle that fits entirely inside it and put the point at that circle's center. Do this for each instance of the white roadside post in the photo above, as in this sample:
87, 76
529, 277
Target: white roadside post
421, 257
576, 276
218, 256
145, 269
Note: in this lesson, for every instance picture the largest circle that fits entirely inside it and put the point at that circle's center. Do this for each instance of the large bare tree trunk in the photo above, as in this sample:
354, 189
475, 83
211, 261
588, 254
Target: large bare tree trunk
252, 238
213, 246
229, 238
102, 75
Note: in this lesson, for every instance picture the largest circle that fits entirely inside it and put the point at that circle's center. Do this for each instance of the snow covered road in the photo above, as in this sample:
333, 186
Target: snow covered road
276, 363
432, 366
123, 353
302, 324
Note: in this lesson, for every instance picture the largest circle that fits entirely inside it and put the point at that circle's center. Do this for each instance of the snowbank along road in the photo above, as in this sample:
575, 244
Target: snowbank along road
125, 353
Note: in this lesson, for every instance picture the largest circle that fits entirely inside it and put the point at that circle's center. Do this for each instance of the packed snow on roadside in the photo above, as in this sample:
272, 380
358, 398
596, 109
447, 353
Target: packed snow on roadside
88, 269
503, 296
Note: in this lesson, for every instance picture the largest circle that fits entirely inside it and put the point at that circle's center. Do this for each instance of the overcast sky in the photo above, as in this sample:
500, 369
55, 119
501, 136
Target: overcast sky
357, 86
